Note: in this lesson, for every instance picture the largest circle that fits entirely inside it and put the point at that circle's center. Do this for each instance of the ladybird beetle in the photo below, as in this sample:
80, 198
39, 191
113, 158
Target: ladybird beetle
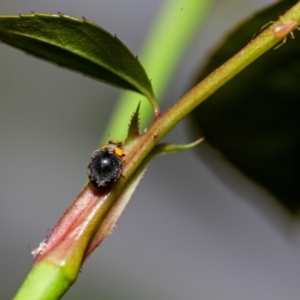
106, 164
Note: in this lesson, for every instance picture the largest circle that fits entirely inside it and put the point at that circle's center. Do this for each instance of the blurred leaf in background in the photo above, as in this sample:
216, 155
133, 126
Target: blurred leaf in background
254, 119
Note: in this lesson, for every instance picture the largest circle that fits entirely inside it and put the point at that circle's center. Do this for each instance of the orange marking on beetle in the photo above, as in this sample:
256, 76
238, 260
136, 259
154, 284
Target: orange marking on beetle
119, 151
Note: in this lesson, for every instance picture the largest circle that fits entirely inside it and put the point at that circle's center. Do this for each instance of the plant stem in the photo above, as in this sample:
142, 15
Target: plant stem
138, 153
209, 85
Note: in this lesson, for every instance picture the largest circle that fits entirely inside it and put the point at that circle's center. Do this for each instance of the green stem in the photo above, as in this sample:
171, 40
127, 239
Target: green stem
44, 281
137, 154
208, 86
140, 148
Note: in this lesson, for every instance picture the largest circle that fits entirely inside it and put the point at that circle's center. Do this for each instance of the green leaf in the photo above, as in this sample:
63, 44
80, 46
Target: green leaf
164, 148
254, 119
79, 45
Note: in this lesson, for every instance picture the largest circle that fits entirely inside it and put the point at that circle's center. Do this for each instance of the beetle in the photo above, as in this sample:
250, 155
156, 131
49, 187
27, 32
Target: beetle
106, 164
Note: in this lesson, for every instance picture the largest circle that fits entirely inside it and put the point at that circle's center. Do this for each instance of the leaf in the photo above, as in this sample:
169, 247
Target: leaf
164, 148
254, 119
79, 45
